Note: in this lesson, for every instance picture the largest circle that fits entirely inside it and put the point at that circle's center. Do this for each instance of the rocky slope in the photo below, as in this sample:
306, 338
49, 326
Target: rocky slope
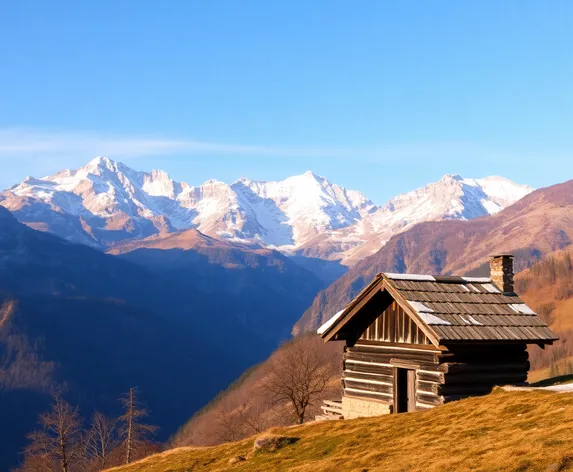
540, 223
106, 202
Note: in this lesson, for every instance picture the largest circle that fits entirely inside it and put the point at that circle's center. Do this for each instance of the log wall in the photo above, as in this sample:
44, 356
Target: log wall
441, 376
368, 371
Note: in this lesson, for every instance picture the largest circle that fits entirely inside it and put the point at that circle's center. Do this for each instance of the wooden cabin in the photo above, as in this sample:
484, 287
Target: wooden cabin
417, 341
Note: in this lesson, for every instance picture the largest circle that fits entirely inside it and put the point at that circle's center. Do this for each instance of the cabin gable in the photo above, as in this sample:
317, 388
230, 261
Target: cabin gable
394, 325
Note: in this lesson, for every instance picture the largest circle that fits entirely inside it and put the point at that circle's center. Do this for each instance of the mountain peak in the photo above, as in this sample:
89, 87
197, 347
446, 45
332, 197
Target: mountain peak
450, 177
100, 161
101, 164
310, 173
160, 174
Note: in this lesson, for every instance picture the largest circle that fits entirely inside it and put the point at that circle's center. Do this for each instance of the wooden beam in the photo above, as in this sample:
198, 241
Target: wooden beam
400, 346
362, 299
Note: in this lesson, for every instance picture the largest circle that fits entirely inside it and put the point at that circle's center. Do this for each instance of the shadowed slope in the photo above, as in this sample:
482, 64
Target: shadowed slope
267, 289
94, 325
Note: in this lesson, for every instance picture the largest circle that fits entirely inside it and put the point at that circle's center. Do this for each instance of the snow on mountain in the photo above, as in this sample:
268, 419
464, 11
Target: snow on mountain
452, 197
307, 203
105, 202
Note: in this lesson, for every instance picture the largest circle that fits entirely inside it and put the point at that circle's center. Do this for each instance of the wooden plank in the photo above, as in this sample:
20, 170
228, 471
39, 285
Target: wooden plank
399, 346
368, 369
411, 390
427, 357
437, 377
395, 391
427, 330
369, 376
387, 357
427, 387
429, 398
360, 393
368, 385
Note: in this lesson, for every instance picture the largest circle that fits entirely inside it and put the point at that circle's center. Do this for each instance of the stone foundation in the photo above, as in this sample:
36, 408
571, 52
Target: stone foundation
358, 408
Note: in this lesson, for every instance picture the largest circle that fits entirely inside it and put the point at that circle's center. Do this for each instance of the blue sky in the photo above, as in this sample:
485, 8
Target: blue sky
380, 96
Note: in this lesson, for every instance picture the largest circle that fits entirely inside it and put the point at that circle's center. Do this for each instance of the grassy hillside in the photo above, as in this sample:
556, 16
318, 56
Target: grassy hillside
504, 431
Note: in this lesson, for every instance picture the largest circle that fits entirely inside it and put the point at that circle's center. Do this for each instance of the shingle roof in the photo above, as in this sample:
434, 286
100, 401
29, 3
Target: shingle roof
454, 309
466, 308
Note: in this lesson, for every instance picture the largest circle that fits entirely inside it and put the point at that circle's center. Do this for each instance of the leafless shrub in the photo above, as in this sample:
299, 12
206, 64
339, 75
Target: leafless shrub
62, 445
246, 407
100, 441
298, 375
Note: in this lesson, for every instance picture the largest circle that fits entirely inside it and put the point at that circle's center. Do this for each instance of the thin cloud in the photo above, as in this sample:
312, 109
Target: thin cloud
36, 145
15, 142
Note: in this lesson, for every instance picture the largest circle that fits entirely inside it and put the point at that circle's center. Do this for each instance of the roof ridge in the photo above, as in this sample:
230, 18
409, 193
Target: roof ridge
455, 279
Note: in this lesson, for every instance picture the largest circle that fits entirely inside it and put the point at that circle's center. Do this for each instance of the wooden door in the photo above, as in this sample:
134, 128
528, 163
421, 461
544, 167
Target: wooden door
404, 390
411, 390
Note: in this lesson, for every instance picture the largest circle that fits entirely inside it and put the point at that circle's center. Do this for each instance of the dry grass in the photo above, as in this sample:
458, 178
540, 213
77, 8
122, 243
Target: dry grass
545, 373
504, 431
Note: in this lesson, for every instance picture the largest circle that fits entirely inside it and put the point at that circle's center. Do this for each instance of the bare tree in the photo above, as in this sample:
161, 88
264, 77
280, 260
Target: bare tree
57, 446
232, 424
133, 431
100, 441
37, 456
298, 374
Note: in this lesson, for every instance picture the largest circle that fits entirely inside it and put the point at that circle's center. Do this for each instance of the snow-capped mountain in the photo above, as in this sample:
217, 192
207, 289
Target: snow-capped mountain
105, 202
452, 197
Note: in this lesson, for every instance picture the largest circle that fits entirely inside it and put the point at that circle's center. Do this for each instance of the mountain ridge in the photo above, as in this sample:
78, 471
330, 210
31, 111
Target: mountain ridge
106, 202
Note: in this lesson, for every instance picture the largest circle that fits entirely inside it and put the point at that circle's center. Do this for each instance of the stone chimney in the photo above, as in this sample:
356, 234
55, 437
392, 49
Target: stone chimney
501, 272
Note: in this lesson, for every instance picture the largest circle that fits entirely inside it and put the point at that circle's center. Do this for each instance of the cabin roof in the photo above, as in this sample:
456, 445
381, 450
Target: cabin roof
452, 309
